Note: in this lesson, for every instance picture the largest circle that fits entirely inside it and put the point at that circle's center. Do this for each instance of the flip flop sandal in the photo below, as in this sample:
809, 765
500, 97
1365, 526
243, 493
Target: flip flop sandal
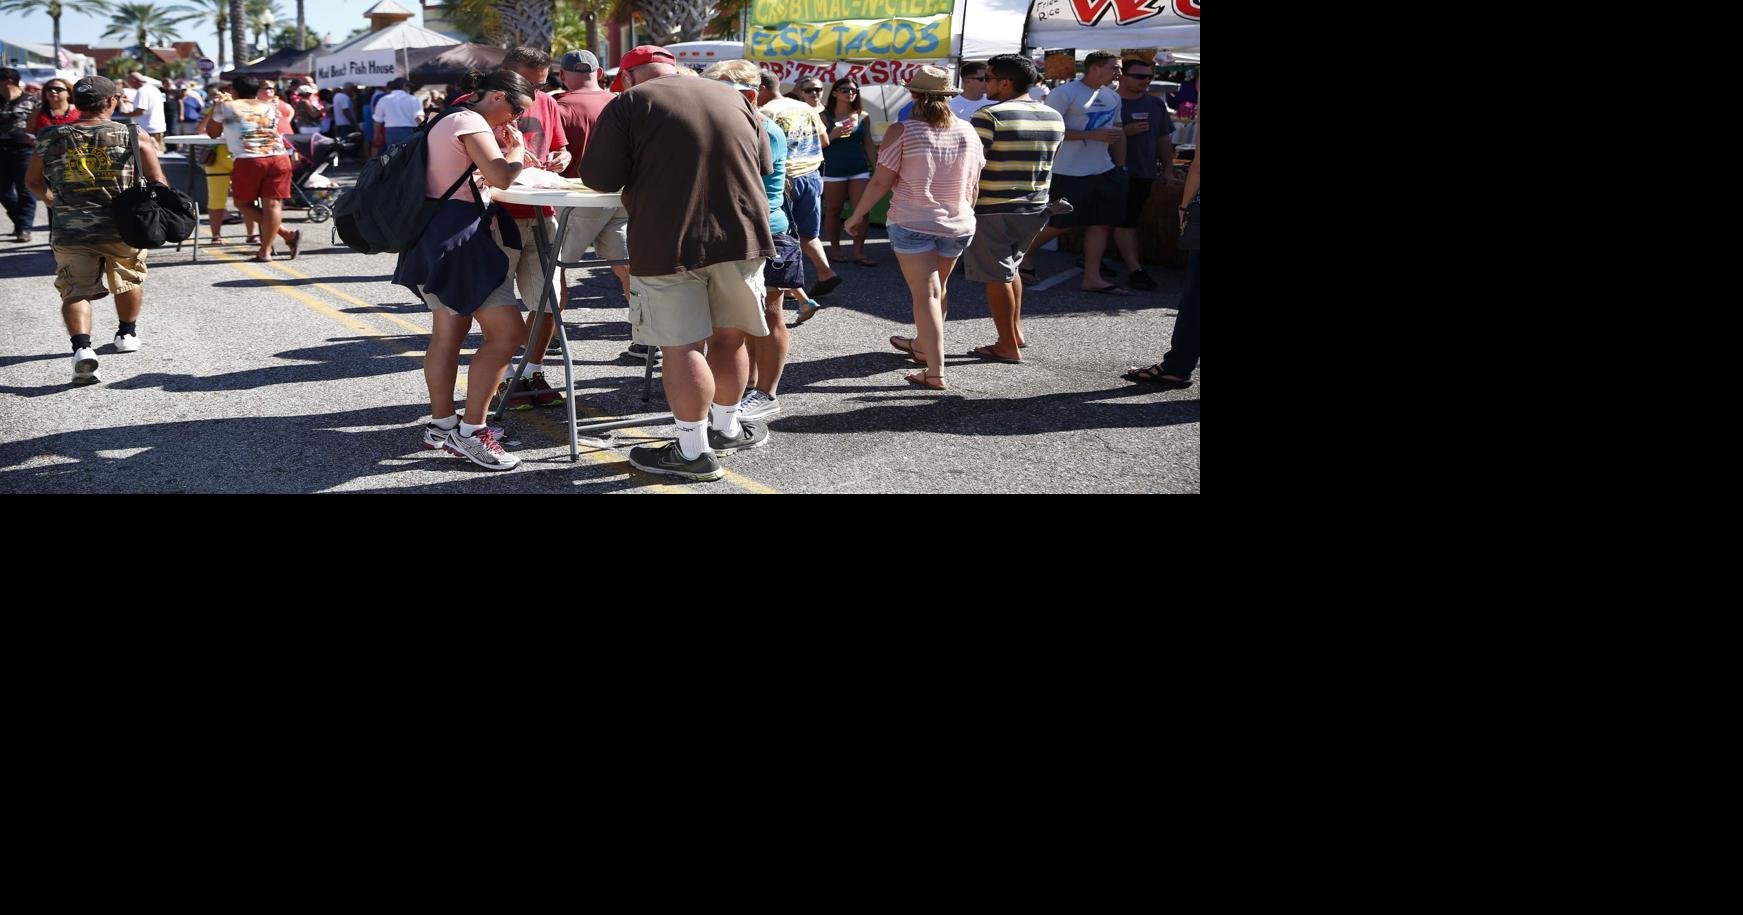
1152, 374
806, 314
296, 243
987, 353
923, 380
862, 262
1111, 289
914, 354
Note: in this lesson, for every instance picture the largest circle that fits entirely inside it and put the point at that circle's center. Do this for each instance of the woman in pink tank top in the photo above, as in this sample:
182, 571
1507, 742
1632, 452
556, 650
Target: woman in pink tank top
937, 157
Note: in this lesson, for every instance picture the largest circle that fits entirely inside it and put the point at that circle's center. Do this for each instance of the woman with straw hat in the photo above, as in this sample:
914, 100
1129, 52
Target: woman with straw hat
938, 158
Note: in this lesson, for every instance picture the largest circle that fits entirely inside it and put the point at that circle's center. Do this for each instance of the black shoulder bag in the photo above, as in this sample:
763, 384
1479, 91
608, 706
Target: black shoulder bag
149, 214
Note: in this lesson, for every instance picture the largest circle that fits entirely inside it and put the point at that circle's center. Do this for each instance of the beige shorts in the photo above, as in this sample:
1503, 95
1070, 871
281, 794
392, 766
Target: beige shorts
81, 269
686, 307
606, 229
523, 268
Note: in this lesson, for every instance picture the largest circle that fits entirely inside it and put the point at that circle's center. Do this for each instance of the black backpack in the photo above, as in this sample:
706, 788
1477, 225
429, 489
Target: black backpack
148, 214
378, 216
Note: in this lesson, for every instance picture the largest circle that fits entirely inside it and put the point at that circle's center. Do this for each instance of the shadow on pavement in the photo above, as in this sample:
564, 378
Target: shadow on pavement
251, 455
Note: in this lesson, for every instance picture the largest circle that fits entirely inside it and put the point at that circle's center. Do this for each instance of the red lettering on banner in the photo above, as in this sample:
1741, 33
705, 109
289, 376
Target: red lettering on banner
1091, 12
1186, 9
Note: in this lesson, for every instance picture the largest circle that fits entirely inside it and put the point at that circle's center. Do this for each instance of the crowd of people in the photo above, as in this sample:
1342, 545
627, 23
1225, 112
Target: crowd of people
728, 189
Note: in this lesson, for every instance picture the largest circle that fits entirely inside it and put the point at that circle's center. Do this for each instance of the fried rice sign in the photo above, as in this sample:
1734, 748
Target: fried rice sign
871, 30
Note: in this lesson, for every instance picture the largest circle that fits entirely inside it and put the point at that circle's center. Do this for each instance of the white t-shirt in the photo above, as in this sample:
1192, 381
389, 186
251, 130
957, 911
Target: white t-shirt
963, 108
341, 104
149, 100
398, 109
1039, 91
1084, 108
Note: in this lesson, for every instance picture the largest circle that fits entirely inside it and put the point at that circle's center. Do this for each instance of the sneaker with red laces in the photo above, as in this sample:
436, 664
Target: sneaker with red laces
480, 448
543, 394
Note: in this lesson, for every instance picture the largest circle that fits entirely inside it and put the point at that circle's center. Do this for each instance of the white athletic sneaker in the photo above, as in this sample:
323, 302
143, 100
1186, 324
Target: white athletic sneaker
435, 436
757, 405
481, 449
127, 344
85, 366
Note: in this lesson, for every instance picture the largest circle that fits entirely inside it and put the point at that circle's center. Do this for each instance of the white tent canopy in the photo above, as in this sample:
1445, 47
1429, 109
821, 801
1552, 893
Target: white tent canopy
374, 58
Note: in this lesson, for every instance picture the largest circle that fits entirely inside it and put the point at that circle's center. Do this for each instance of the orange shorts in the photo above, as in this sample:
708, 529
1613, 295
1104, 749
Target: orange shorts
260, 178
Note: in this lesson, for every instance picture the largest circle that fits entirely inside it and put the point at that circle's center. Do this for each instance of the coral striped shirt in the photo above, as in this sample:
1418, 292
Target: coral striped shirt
939, 169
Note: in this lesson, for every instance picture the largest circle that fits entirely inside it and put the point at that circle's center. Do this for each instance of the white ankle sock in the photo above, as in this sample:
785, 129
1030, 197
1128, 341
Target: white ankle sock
724, 419
469, 430
693, 438
449, 423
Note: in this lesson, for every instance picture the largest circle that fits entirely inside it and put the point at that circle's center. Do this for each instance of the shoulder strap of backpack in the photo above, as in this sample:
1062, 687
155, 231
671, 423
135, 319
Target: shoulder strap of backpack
133, 154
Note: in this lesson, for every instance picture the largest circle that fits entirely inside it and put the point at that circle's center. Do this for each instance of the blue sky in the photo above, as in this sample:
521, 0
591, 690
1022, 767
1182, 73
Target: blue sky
336, 17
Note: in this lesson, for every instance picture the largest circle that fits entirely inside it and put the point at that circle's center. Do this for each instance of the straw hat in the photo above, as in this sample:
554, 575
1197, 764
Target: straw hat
932, 80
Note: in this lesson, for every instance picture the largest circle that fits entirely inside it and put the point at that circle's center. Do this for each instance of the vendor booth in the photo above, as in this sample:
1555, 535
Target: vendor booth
377, 58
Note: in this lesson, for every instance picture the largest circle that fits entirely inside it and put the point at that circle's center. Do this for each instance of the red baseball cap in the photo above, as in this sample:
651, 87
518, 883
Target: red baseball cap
644, 54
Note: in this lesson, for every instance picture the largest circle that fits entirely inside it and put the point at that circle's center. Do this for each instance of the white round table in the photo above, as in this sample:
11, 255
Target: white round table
551, 299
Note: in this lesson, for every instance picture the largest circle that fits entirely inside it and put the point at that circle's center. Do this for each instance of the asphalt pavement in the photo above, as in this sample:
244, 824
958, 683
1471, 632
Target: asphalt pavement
306, 376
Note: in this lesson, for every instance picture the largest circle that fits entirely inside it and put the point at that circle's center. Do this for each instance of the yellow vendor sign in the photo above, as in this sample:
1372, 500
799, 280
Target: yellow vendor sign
849, 30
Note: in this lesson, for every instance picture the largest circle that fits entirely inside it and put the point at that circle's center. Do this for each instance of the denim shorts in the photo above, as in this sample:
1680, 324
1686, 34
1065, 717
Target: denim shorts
903, 241
805, 194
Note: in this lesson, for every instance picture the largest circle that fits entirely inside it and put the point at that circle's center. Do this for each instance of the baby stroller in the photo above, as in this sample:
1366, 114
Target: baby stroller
311, 155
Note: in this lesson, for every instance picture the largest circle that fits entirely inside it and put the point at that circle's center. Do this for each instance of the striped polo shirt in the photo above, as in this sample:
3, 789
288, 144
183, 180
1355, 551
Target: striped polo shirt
1020, 137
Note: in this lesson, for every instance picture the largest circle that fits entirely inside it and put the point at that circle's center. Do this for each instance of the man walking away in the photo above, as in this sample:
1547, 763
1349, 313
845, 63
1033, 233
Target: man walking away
807, 136
1020, 136
147, 108
397, 115
192, 107
1149, 156
689, 155
78, 169
1088, 169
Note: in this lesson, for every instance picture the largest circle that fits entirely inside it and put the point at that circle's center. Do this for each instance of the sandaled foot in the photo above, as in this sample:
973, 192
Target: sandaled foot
924, 380
865, 262
991, 354
806, 314
262, 258
295, 242
906, 345
251, 240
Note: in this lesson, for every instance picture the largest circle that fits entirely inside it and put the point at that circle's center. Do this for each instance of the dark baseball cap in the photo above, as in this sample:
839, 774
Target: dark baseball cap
578, 62
643, 54
90, 93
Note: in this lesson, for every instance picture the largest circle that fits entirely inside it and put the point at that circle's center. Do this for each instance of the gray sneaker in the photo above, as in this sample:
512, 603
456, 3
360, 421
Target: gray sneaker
757, 405
750, 435
667, 460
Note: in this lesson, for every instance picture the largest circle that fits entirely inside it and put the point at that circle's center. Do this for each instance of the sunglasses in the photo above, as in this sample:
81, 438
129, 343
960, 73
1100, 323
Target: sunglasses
1143, 76
847, 89
55, 89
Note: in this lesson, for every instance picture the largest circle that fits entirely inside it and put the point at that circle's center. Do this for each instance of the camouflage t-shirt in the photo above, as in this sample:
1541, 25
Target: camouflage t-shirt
87, 166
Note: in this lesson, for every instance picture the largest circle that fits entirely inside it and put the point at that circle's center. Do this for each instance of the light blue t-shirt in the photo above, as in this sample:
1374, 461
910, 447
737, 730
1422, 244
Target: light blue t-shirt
775, 183
1084, 108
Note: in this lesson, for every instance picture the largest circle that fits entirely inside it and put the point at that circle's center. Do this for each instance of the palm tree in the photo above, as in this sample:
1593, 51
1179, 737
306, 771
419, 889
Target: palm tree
302, 31
219, 10
238, 39
506, 23
145, 21
51, 7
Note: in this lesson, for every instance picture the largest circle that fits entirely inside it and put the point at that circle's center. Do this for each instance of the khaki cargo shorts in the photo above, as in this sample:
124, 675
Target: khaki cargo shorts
606, 229
81, 269
686, 307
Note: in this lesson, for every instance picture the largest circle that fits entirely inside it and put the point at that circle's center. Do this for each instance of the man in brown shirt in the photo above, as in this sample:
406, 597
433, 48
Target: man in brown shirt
689, 155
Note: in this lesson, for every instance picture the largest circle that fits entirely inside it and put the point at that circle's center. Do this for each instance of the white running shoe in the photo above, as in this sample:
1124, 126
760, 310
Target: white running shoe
757, 405
435, 436
85, 366
481, 449
128, 343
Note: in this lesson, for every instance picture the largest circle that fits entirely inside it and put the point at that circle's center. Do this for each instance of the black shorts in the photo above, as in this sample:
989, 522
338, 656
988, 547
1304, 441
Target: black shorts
1137, 194
1096, 200
786, 270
